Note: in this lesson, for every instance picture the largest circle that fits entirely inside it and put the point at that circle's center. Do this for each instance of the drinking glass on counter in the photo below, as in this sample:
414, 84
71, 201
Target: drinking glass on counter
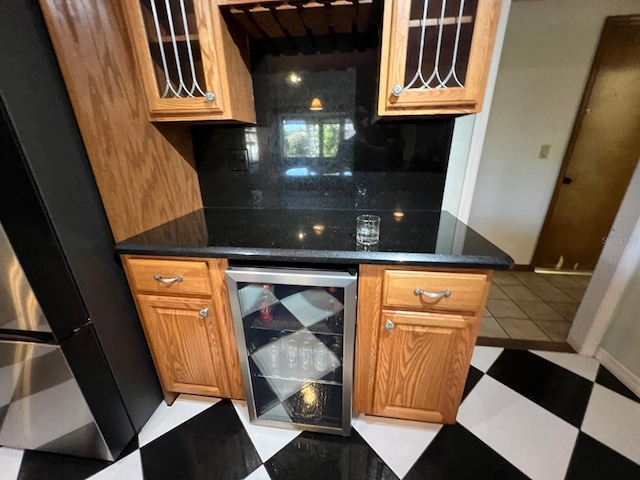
367, 229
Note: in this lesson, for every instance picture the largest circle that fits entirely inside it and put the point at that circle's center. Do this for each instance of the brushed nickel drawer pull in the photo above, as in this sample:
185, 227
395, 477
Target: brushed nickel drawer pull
434, 296
389, 325
167, 280
204, 313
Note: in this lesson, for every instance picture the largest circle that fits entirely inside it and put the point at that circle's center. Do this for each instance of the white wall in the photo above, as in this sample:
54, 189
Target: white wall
460, 143
615, 268
468, 136
622, 340
546, 58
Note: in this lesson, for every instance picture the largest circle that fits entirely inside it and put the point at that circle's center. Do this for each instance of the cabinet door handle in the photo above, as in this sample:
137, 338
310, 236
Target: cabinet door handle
167, 280
396, 90
389, 325
435, 296
204, 313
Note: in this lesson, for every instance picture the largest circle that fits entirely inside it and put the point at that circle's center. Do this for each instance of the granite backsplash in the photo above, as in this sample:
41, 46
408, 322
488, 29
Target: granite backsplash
319, 144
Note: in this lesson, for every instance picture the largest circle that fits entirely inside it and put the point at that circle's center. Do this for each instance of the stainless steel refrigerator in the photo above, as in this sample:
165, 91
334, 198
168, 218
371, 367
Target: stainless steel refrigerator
76, 376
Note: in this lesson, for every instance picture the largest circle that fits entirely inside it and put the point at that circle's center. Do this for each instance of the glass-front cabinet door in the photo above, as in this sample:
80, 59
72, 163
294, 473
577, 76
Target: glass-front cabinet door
436, 55
295, 330
184, 53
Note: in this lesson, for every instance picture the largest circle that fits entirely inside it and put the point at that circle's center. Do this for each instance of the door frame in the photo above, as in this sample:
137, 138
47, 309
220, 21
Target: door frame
609, 24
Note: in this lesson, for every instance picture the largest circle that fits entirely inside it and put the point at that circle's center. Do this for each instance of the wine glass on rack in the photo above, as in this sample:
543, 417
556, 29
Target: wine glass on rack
305, 356
292, 353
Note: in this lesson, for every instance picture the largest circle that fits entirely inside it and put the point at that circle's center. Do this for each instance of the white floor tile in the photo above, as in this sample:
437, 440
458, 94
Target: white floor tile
531, 438
259, 473
10, 460
46, 409
167, 418
615, 421
267, 440
483, 357
127, 468
398, 442
586, 367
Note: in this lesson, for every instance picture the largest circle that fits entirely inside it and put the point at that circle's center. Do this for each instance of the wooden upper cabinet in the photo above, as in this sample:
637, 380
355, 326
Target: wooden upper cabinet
436, 55
193, 66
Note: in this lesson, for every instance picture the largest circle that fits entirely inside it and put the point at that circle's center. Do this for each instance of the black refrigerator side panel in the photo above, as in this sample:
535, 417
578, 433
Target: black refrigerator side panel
33, 240
82, 351
39, 107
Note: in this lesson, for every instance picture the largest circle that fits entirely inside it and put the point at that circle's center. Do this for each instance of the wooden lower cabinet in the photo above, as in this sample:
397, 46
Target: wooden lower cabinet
185, 313
422, 364
412, 363
184, 343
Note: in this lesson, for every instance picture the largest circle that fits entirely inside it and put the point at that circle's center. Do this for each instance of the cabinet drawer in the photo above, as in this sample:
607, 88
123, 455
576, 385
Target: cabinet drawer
169, 276
465, 290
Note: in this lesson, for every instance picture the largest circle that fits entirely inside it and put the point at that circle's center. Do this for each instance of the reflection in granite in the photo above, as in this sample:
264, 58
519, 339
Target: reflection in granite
315, 235
318, 143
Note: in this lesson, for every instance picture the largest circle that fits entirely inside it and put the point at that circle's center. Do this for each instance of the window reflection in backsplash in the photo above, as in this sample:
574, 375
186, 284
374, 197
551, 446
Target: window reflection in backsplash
319, 144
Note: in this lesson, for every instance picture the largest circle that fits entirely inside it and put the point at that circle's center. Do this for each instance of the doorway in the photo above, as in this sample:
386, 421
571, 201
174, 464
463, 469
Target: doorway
602, 154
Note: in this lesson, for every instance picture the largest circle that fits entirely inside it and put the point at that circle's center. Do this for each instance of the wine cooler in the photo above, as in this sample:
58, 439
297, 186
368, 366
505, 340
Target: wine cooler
295, 331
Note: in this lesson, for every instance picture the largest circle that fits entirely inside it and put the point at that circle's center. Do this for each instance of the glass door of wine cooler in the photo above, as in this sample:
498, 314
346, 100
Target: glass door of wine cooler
295, 331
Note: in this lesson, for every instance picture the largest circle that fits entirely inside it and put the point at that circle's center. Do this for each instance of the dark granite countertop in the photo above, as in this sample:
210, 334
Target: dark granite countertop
413, 237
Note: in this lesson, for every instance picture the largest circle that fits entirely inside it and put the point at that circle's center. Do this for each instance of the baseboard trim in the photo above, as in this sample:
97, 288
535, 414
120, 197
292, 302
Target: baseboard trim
574, 343
522, 268
524, 344
618, 370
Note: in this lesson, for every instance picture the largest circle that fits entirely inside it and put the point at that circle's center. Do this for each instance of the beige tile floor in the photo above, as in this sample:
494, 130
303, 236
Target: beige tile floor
531, 306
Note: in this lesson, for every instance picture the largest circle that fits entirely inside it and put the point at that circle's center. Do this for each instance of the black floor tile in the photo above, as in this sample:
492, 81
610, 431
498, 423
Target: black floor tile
591, 460
211, 445
456, 453
131, 447
320, 456
558, 390
472, 379
45, 466
606, 379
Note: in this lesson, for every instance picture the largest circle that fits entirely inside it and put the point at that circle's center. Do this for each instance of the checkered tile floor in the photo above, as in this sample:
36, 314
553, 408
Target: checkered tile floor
539, 415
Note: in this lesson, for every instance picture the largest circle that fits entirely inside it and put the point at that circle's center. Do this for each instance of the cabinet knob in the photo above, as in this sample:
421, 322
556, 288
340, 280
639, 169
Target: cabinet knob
167, 280
204, 313
389, 325
209, 96
397, 90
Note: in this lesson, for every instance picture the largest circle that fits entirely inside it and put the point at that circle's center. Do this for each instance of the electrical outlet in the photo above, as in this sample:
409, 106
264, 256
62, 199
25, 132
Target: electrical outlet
544, 152
239, 160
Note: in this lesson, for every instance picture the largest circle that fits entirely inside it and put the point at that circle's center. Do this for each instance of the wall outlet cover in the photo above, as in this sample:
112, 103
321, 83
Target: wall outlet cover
239, 160
544, 152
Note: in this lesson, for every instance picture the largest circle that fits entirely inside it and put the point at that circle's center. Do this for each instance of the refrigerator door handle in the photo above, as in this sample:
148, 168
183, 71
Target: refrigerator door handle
27, 336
